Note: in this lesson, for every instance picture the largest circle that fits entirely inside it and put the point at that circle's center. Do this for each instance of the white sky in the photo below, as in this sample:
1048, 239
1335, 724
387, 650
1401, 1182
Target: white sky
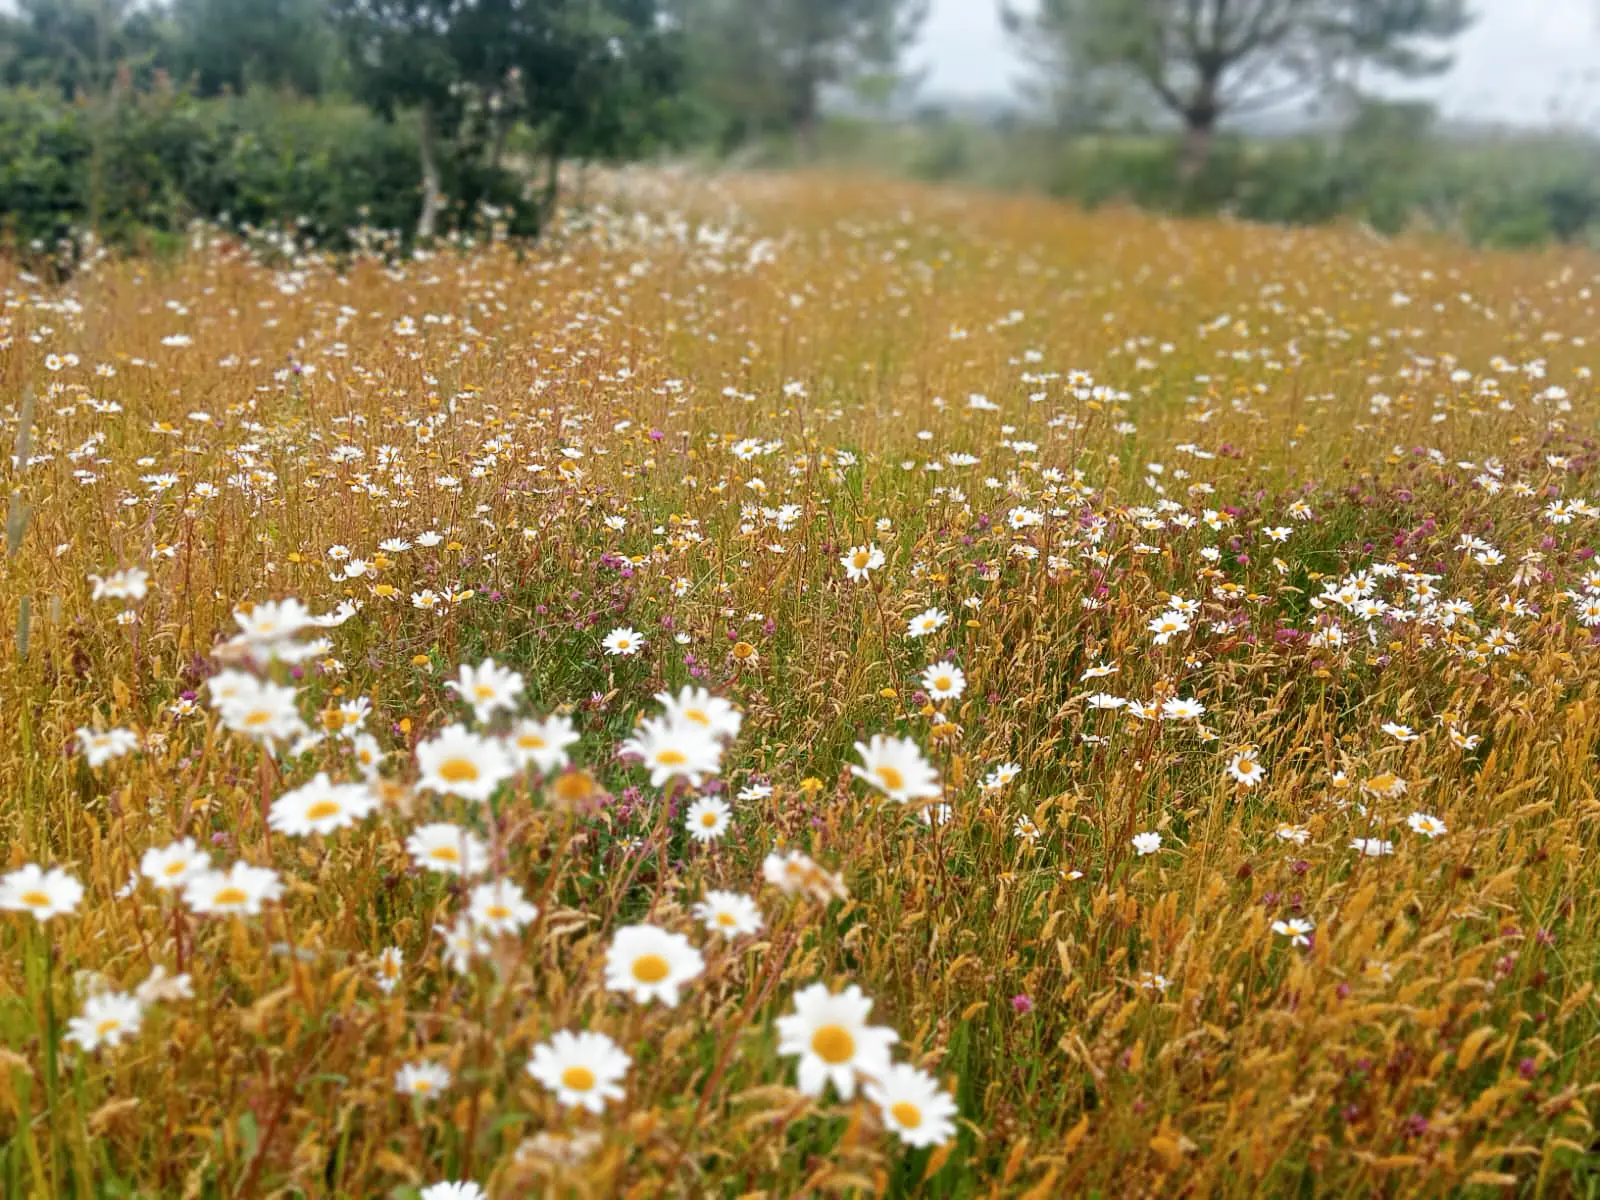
1523, 61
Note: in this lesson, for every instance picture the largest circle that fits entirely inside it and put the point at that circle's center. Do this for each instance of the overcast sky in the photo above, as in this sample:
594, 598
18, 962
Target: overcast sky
1524, 61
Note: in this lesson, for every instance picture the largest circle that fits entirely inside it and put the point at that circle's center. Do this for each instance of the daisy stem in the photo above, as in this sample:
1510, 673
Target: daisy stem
41, 952
568, 818
638, 861
295, 973
661, 839
177, 935
776, 1128
883, 629
264, 788
480, 1043
777, 957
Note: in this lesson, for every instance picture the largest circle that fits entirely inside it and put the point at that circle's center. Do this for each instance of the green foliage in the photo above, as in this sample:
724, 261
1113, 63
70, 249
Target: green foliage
760, 66
1516, 194
590, 75
86, 47
1389, 170
589, 78
331, 173
1203, 59
81, 46
230, 45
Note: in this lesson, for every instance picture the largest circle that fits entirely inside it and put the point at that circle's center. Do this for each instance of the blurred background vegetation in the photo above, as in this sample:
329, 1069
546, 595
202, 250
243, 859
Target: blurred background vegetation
341, 123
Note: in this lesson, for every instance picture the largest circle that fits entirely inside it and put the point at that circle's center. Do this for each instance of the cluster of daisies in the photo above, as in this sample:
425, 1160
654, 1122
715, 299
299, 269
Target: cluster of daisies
680, 748
828, 1032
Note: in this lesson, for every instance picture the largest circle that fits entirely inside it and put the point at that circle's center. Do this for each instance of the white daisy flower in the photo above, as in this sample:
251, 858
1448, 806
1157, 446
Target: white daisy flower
45, 894
448, 849
895, 767
828, 1032
488, 687
542, 744
623, 641
460, 763
240, 890
106, 1020
913, 1105
172, 866
729, 913
499, 907
584, 1070
708, 819
650, 963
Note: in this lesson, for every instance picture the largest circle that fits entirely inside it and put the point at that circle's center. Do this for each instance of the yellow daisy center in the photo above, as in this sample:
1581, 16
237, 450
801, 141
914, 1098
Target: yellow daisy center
445, 854
860, 558
906, 1114
106, 1026
833, 1044
230, 895
36, 899
322, 810
726, 920
458, 770
174, 868
531, 741
573, 786
497, 912
426, 1085
708, 819
483, 692
944, 683
258, 717
671, 758
577, 1079
650, 968
892, 779
698, 717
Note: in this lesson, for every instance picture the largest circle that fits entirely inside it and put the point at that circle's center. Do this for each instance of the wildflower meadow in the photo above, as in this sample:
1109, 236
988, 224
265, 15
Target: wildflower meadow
797, 686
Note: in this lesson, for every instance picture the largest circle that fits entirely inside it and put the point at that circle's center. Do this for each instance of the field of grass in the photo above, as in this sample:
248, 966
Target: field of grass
1234, 622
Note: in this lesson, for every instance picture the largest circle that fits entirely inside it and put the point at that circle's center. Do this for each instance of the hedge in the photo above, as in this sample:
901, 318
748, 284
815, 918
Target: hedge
141, 170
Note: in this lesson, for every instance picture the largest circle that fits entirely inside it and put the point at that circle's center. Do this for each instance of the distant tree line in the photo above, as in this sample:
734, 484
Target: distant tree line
1201, 61
422, 116
550, 80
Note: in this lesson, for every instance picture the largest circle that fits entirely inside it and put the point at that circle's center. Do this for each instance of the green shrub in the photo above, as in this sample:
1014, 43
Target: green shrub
1389, 169
152, 163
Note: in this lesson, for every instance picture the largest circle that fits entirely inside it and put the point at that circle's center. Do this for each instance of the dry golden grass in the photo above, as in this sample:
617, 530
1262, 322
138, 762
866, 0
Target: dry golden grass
1109, 1022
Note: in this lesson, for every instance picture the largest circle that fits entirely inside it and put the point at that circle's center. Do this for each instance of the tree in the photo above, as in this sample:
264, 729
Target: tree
588, 76
1202, 60
408, 54
95, 52
230, 45
80, 46
768, 63
598, 79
